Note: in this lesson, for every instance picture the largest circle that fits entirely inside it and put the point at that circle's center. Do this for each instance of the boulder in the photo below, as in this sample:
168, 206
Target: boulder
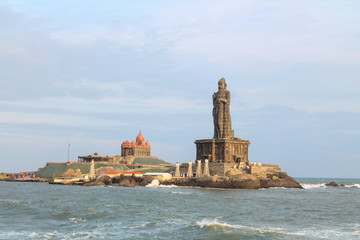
95, 183
130, 181
105, 179
240, 181
127, 182
243, 181
279, 179
332, 184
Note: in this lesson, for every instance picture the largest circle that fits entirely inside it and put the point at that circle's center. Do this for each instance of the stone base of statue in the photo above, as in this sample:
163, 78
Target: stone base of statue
227, 150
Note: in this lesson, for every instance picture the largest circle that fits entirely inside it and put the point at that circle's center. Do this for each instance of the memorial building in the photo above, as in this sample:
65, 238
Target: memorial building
134, 152
139, 148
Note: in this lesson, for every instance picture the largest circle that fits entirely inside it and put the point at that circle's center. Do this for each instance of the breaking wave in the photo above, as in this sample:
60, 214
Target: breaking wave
322, 185
155, 184
215, 224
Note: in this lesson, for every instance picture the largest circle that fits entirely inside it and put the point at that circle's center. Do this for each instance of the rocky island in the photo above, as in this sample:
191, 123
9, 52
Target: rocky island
221, 162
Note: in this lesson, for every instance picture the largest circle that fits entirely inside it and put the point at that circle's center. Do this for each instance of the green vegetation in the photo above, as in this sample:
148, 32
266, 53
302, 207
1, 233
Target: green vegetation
149, 161
156, 169
54, 170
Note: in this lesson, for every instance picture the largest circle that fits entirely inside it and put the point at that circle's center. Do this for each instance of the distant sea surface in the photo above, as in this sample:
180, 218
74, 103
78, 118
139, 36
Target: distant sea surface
44, 211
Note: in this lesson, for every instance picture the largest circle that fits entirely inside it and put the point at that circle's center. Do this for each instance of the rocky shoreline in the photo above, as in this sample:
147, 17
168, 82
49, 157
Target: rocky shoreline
244, 181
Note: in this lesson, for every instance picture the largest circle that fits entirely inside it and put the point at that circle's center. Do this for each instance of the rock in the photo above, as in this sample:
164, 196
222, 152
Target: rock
332, 184
241, 181
342, 185
105, 179
279, 180
233, 172
95, 183
128, 182
244, 181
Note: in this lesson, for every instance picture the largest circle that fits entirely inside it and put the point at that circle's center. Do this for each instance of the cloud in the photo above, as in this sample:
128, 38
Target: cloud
98, 73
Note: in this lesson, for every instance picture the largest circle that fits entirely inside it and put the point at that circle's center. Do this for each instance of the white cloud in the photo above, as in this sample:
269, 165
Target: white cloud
101, 76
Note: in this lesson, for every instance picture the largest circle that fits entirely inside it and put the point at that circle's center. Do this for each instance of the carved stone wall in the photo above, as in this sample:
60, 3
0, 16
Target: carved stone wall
230, 150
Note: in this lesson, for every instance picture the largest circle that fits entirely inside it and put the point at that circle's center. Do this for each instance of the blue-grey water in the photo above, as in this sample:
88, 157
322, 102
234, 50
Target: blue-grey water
44, 211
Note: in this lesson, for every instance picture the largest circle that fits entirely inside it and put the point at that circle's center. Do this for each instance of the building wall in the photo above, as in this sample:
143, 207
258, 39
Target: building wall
232, 150
142, 152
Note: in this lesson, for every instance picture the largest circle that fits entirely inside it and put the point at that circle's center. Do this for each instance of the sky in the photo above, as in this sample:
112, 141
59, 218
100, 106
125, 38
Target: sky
95, 73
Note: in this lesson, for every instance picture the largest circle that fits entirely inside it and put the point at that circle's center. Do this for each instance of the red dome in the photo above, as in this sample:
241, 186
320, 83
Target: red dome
140, 140
126, 144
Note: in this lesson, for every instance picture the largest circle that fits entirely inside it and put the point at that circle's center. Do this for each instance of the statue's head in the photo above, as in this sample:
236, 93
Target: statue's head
222, 84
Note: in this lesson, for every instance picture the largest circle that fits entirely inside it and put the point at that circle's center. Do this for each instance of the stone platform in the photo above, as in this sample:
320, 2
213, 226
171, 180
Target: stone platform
226, 150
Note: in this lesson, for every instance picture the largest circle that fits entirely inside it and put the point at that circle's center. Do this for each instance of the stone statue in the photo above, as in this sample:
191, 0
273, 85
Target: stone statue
221, 112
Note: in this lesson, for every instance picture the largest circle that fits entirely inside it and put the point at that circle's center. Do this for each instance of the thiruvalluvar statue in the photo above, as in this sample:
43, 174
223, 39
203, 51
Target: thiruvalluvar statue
221, 112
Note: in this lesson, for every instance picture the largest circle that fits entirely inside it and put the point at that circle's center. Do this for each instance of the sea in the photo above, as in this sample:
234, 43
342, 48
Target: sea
45, 211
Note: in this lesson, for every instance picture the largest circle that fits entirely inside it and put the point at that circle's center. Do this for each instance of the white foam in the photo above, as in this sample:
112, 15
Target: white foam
168, 186
82, 235
324, 234
155, 183
138, 226
33, 234
48, 235
313, 186
184, 193
214, 223
208, 223
322, 185
77, 219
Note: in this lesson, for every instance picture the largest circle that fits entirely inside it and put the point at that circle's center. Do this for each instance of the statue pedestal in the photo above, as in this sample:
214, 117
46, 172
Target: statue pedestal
227, 150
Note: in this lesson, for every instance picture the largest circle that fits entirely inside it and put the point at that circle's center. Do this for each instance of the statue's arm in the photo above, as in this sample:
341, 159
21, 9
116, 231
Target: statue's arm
228, 95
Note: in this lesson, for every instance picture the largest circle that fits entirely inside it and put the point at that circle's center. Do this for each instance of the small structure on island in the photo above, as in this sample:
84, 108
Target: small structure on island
206, 168
198, 169
190, 170
92, 171
177, 171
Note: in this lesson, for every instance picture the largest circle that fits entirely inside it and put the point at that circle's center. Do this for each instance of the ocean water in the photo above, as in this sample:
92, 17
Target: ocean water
44, 211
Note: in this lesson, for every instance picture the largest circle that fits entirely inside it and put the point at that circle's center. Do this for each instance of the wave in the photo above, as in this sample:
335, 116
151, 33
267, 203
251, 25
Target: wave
312, 186
77, 220
322, 185
155, 184
47, 235
184, 193
214, 224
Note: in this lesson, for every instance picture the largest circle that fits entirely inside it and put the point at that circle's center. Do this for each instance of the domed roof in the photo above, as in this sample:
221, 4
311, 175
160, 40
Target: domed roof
140, 140
126, 144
